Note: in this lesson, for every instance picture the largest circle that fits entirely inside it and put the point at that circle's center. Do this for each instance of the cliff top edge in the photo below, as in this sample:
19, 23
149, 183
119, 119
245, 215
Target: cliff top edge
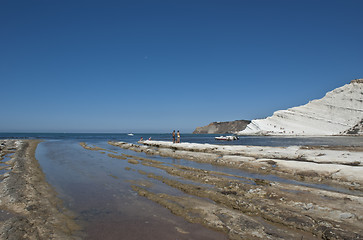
359, 80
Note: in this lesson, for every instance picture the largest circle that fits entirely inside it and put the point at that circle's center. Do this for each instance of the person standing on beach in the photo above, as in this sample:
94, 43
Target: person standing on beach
173, 136
178, 137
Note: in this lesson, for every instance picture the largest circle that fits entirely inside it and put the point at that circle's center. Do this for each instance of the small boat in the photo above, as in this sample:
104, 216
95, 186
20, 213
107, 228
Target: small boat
130, 134
226, 138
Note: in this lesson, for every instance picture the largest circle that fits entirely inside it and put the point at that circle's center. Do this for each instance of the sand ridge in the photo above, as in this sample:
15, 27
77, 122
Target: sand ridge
36, 211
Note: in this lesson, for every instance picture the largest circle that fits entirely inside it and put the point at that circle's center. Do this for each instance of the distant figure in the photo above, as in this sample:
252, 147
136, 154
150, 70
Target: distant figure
178, 137
149, 138
173, 136
141, 139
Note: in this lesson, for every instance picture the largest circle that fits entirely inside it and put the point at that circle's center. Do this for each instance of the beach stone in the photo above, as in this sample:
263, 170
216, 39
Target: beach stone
346, 215
308, 206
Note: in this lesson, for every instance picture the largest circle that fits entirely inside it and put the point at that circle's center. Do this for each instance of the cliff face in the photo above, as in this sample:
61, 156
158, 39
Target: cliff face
222, 127
339, 112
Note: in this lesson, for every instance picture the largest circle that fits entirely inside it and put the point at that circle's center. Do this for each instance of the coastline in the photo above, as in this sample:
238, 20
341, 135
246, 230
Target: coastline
252, 208
243, 207
337, 166
30, 205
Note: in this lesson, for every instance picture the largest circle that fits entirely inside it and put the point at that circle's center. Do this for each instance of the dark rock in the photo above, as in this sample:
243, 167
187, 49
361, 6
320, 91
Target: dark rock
222, 127
355, 130
360, 80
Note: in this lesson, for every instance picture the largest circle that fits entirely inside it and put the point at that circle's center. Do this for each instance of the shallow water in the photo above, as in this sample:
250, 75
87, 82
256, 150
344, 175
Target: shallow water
98, 189
3, 166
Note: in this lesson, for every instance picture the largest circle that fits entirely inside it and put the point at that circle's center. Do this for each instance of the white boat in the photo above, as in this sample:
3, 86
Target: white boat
226, 138
130, 134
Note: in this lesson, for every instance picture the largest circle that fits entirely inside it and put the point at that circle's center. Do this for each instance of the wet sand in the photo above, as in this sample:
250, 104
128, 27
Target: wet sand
29, 204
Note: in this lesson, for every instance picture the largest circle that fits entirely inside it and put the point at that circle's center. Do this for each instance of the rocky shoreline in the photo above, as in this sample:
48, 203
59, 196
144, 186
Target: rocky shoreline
30, 206
241, 207
247, 208
337, 166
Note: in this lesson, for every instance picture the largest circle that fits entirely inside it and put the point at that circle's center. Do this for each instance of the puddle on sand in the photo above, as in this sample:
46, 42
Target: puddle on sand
3, 166
98, 189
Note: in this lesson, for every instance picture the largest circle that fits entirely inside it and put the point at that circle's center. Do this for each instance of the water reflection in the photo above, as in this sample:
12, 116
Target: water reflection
98, 189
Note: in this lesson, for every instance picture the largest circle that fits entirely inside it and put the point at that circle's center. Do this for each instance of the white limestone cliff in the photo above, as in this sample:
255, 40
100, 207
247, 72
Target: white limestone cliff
334, 114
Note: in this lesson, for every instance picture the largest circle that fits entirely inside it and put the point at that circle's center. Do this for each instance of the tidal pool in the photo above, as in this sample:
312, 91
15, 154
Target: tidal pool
117, 193
98, 189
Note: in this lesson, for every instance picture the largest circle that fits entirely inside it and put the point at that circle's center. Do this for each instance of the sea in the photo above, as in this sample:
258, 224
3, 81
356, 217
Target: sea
197, 138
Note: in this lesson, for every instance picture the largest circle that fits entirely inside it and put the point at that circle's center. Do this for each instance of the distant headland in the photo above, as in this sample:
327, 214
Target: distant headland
222, 127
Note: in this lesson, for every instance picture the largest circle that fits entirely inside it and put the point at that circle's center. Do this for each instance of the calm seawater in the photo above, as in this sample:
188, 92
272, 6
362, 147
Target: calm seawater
196, 138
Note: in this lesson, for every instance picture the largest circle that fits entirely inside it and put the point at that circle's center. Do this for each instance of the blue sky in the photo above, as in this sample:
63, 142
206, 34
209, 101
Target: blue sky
154, 66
